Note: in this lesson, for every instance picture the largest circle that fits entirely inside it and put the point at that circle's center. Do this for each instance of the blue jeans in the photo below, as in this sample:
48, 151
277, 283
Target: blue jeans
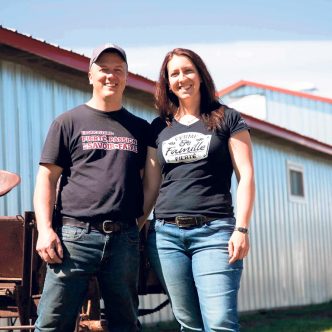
113, 258
193, 266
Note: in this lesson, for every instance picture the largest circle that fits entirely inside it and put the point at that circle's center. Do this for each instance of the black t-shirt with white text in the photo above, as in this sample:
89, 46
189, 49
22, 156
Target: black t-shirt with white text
101, 154
196, 167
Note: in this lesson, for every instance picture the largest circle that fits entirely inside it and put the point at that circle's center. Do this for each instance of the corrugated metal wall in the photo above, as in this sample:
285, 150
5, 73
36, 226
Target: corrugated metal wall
289, 263
29, 101
308, 117
152, 301
290, 260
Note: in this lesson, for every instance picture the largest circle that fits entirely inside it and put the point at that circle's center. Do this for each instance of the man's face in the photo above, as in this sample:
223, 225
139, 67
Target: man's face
108, 75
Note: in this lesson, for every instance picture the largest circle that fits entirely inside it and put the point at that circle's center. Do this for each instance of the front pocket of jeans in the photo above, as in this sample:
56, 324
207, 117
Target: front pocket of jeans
226, 225
157, 224
70, 233
133, 235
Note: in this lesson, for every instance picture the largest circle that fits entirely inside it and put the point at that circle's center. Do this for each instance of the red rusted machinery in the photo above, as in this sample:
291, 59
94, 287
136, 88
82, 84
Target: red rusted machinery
20, 270
22, 274
8, 181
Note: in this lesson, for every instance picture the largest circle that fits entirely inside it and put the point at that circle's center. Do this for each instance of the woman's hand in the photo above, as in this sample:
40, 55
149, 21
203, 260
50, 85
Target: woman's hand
238, 246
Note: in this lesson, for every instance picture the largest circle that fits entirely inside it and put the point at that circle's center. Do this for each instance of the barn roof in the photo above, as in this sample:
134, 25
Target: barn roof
33, 47
56, 54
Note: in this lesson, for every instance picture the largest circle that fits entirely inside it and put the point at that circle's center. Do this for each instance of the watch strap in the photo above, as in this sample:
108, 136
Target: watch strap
243, 230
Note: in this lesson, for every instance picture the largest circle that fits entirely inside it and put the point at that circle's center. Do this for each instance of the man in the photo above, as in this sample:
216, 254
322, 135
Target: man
97, 150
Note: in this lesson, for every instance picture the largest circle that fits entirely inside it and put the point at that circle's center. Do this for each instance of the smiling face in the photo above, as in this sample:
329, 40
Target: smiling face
184, 79
108, 75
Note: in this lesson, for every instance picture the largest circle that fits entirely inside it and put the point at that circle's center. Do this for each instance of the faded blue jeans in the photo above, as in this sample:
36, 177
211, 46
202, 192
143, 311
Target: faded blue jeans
113, 258
193, 266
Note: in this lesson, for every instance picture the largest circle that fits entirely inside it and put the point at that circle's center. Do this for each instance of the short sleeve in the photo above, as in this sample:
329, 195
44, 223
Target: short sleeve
234, 121
157, 125
55, 149
143, 142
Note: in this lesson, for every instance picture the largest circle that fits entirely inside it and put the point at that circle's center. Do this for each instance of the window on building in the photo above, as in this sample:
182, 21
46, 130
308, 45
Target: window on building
296, 181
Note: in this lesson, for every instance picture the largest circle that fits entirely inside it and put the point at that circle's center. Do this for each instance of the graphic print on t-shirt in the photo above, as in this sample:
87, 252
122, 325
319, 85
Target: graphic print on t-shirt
186, 147
106, 140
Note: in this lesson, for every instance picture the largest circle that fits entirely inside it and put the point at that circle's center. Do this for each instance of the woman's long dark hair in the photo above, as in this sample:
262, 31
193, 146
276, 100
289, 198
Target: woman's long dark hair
212, 111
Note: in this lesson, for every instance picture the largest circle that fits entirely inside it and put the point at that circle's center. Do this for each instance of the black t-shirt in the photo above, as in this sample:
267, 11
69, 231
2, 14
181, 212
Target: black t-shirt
196, 167
101, 154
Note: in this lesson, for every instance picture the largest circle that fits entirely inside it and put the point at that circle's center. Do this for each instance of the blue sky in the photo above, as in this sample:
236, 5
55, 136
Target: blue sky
286, 43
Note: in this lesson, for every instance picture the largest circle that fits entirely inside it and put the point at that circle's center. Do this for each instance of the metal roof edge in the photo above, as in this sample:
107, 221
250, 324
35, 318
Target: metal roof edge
288, 135
80, 62
242, 83
62, 56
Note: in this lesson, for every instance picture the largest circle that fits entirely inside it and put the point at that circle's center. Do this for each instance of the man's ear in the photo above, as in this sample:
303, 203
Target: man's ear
90, 78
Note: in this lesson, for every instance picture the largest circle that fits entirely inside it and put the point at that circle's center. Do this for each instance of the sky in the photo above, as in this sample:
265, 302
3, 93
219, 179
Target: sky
285, 43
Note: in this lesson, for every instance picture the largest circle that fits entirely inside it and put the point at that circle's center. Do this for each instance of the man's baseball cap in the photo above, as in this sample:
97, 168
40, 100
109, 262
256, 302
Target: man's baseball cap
107, 47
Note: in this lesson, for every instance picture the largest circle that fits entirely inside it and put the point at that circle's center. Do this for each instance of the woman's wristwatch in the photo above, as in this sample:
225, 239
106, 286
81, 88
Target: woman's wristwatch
241, 230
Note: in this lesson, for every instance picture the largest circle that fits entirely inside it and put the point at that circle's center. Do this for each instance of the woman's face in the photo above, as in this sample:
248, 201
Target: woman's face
183, 77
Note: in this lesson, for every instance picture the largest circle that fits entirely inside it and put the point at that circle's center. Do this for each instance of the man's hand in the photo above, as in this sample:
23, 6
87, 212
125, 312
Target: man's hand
140, 223
238, 246
49, 246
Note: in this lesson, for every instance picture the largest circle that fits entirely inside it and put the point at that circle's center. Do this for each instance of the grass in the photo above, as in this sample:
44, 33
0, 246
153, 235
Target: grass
314, 318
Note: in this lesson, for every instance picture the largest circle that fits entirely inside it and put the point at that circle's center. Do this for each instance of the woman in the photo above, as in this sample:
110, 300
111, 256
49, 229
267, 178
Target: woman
196, 245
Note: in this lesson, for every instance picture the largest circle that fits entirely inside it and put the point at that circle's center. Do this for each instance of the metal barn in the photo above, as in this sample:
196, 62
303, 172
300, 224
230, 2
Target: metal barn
290, 261
304, 113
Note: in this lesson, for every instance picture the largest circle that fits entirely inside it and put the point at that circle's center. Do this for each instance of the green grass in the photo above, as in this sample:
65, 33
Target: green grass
314, 318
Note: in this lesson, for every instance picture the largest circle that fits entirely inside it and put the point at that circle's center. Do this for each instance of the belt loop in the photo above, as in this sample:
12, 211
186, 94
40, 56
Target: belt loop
88, 227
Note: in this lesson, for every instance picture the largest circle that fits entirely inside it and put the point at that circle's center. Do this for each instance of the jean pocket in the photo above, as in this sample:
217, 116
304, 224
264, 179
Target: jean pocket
222, 224
132, 235
157, 224
70, 233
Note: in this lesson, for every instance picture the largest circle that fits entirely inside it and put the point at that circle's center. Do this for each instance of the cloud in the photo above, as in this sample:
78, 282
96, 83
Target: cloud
287, 64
